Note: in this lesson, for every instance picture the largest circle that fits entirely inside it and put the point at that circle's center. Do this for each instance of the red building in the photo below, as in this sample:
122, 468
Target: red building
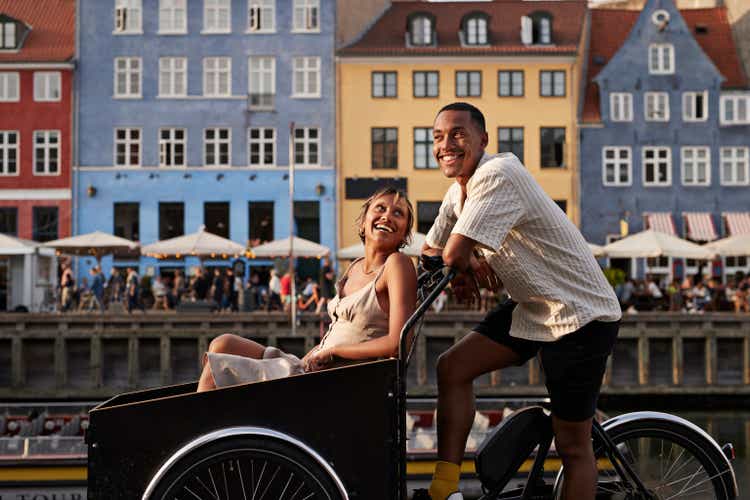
37, 47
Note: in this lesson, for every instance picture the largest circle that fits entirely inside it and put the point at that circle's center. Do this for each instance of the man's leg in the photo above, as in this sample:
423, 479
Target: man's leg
573, 444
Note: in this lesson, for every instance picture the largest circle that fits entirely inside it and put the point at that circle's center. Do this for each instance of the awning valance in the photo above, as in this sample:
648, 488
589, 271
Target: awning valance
661, 222
700, 226
737, 222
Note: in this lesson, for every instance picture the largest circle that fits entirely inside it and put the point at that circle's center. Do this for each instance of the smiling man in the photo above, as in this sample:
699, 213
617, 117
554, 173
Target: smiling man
497, 223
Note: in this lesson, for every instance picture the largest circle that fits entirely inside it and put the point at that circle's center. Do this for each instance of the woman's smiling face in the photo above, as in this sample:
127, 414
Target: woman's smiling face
386, 221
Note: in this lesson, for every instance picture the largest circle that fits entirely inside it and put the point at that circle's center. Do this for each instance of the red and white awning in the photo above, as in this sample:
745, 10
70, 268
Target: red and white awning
661, 222
737, 222
700, 226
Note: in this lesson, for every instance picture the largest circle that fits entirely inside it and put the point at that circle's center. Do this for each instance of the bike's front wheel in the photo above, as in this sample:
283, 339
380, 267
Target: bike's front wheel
672, 460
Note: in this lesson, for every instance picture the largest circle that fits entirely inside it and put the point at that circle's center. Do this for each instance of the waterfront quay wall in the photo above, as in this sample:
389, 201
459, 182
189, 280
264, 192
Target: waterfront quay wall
94, 357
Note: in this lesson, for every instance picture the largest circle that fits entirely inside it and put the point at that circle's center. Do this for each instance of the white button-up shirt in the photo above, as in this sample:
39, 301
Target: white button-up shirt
537, 252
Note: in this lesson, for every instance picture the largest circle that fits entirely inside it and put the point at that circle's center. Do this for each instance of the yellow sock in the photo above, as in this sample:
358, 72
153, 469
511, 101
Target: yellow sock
444, 480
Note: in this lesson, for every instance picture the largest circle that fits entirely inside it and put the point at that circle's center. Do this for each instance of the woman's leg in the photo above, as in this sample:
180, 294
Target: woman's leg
228, 343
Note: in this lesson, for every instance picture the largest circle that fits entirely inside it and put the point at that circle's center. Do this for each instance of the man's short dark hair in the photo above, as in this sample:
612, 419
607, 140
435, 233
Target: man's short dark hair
476, 116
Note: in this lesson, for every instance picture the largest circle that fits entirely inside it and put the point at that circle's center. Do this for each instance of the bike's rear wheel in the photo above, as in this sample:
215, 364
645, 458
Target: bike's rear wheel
673, 461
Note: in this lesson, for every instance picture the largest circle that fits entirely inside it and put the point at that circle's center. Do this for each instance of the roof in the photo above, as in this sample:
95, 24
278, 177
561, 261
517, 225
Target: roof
387, 37
52, 35
611, 27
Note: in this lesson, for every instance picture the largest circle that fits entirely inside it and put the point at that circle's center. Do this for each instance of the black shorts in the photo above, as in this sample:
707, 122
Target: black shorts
573, 366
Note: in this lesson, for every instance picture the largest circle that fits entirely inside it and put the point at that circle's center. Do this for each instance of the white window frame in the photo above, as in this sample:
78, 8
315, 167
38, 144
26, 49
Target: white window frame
656, 97
618, 164
168, 16
689, 159
5, 78
736, 162
128, 142
211, 11
213, 75
8, 40
261, 16
656, 160
470, 83
172, 141
306, 16
307, 142
170, 75
5, 148
735, 100
261, 142
132, 74
262, 69
476, 31
45, 85
310, 68
47, 146
690, 98
217, 143
132, 10
664, 62
621, 107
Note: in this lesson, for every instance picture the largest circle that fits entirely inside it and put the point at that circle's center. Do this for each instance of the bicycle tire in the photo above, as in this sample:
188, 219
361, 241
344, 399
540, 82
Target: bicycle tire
244, 467
715, 481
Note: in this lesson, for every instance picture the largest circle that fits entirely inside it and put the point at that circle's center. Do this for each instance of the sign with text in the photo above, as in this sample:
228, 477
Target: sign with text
43, 493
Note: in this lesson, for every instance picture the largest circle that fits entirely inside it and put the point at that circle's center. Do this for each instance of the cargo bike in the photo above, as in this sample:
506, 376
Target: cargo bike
340, 434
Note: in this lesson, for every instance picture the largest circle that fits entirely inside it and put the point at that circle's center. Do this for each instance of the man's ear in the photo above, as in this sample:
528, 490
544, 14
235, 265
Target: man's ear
485, 140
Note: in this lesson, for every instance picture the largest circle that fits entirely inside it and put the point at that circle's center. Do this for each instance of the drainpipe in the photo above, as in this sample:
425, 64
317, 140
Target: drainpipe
74, 132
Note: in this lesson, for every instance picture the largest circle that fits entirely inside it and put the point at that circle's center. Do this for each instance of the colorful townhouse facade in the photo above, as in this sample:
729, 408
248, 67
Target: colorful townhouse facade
185, 119
664, 132
519, 62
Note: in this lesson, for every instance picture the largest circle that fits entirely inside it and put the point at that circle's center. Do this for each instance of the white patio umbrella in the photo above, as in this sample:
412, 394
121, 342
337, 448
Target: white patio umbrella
652, 243
201, 244
10, 245
597, 250
281, 248
732, 246
413, 249
94, 244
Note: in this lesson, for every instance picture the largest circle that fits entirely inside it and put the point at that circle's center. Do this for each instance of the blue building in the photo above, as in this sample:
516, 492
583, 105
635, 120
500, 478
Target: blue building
665, 130
183, 119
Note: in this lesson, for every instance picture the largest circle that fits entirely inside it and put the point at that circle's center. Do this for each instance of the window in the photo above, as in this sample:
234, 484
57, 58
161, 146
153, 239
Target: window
468, 83
307, 221
426, 84
8, 152
306, 77
127, 220
510, 140
696, 166
510, 83
536, 28
47, 86
621, 106
45, 221
552, 83
306, 15
695, 106
734, 166
553, 147
8, 35
128, 16
261, 145
172, 16
617, 166
427, 212
216, 218
9, 221
657, 166
420, 30
261, 16
127, 147
127, 77
172, 147
475, 30
261, 222
307, 146
172, 77
656, 107
46, 152
735, 109
217, 16
661, 59
384, 148
217, 76
384, 84
171, 220
217, 145
9, 89
423, 157
261, 82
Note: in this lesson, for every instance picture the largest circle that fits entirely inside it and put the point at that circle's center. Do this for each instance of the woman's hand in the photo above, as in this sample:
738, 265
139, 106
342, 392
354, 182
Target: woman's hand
317, 359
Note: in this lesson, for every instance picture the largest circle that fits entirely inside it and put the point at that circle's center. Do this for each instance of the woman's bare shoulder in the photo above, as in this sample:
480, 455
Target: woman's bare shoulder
400, 266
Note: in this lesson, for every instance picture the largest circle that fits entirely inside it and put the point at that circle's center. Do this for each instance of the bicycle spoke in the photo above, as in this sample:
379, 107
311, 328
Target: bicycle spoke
242, 481
270, 482
286, 486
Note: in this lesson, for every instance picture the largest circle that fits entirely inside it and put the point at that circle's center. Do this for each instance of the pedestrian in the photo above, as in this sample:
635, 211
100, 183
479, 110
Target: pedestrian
286, 291
97, 288
160, 294
327, 288
178, 288
67, 287
274, 291
114, 285
132, 287
217, 288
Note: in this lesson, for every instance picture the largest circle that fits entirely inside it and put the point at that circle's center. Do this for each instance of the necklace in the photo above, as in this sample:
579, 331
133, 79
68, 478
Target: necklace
367, 273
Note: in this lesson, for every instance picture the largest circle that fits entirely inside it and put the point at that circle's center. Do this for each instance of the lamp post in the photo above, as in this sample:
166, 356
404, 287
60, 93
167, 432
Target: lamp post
291, 229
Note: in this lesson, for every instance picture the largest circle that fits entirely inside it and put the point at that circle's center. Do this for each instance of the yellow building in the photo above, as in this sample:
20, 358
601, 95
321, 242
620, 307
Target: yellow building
517, 61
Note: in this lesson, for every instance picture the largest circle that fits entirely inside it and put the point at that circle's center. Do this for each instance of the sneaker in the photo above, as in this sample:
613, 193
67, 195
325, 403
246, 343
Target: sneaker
422, 494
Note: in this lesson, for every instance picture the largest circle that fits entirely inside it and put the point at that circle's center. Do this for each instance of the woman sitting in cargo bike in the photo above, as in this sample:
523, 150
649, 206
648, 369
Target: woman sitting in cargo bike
374, 299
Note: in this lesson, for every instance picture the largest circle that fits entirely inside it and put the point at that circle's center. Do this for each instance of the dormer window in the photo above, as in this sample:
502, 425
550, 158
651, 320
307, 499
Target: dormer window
8, 36
536, 29
474, 29
421, 28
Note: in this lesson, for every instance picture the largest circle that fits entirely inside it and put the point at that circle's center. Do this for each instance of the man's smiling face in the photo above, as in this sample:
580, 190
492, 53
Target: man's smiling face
458, 144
